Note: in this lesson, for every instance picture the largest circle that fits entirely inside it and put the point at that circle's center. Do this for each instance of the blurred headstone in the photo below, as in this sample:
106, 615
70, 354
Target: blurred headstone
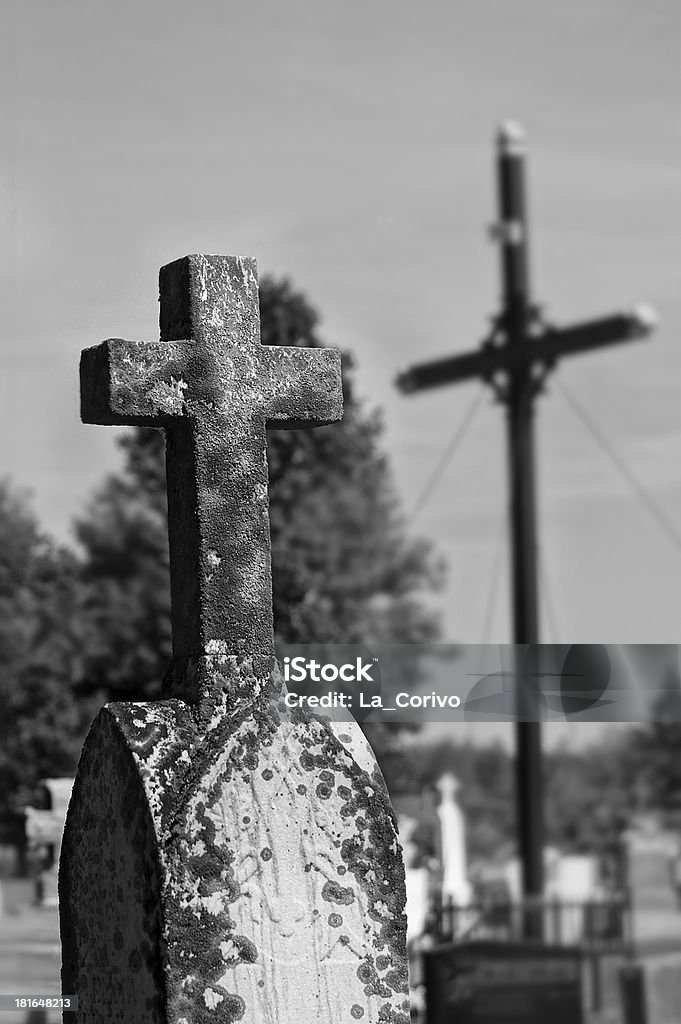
651, 849
417, 879
493, 982
455, 885
44, 829
37, 1016
633, 992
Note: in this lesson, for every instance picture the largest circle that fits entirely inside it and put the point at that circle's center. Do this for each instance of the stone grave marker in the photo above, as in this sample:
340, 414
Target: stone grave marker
44, 828
455, 884
224, 859
487, 982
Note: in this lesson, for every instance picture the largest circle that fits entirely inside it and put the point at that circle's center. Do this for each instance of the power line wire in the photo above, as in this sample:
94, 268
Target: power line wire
452, 447
545, 595
658, 515
494, 582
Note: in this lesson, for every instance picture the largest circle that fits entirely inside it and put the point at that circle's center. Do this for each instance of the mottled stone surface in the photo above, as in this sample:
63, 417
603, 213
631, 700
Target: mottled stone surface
110, 888
248, 870
223, 860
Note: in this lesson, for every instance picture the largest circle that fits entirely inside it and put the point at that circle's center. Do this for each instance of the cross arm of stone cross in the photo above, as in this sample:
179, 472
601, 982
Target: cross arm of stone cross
214, 389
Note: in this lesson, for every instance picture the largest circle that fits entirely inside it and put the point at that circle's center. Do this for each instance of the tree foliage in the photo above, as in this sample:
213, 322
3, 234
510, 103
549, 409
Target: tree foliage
587, 798
653, 761
41, 643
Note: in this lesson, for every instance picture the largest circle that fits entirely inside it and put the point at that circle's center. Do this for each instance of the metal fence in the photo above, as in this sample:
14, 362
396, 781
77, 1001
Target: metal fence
599, 927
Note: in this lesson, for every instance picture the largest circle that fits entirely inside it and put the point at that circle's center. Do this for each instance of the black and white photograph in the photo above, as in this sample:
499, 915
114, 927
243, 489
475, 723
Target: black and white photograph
340, 512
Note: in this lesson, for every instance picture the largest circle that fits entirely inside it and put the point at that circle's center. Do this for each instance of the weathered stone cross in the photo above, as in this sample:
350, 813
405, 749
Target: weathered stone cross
214, 395
223, 860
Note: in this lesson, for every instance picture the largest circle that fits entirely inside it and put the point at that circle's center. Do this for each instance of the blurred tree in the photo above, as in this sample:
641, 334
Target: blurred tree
344, 569
41, 641
652, 760
587, 796
126, 577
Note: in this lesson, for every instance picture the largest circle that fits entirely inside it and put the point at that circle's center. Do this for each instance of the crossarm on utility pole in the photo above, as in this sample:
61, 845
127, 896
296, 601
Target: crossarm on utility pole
546, 348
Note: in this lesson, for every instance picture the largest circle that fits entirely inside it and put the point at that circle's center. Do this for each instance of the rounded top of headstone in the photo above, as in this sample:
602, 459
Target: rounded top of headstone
511, 137
59, 790
448, 784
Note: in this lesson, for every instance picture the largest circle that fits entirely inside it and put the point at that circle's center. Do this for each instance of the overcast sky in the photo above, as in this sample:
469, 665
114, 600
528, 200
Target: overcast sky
349, 146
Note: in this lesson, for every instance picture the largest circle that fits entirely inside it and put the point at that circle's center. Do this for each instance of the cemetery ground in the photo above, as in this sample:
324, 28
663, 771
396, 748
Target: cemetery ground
29, 963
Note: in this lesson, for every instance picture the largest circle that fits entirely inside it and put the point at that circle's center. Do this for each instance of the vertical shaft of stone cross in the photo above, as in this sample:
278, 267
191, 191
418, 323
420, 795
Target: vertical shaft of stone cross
216, 463
516, 299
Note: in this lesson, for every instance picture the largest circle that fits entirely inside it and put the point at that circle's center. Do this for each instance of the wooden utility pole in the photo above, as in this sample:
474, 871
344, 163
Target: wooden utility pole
515, 360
